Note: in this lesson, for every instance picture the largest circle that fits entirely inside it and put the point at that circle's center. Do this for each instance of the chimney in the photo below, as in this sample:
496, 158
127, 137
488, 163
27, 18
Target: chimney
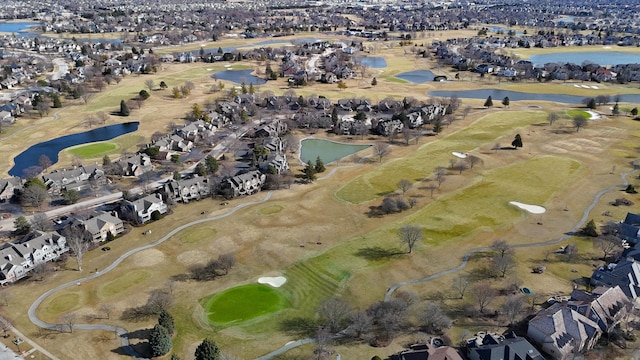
8, 257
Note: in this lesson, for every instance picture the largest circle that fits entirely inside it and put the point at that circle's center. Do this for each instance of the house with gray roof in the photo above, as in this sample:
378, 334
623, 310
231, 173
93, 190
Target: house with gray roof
625, 275
9, 187
144, 207
78, 178
185, 190
18, 258
135, 165
487, 346
244, 184
103, 223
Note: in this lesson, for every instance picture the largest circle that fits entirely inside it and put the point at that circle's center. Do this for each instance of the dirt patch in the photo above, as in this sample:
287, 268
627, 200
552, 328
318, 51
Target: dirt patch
149, 257
193, 257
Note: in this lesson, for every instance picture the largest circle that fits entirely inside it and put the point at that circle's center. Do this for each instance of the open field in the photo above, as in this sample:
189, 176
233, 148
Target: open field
319, 235
242, 303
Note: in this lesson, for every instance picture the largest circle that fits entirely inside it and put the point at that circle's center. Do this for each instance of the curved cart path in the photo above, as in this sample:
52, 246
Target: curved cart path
122, 333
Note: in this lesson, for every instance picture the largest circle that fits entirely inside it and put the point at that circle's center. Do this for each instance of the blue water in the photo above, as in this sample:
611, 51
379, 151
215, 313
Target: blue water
495, 29
258, 43
329, 151
596, 57
515, 96
16, 27
416, 76
374, 62
51, 148
567, 20
239, 76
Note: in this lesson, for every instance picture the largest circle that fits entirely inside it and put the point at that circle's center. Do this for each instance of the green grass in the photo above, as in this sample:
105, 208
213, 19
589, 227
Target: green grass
62, 303
270, 209
243, 303
421, 164
124, 282
197, 234
575, 112
93, 150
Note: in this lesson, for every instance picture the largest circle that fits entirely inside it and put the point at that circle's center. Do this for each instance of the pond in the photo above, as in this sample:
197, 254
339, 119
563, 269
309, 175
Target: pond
595, 57
329, 151
374, 62
497, 94
416, 76
17, 27
239, 76
51, 148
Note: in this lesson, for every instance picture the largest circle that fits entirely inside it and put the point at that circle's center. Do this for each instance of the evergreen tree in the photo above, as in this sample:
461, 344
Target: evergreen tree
243, 88
252, 89
517, 141
144, 94
319, 165
506, 101
207, 350
334, 116
159, 340
177, 176
166, 320
634, 111
124, 109
163, 85
309, 172
56, 101
437, 126
374, 82
212, 164
489, 102
200, 169
590, 229
106, 161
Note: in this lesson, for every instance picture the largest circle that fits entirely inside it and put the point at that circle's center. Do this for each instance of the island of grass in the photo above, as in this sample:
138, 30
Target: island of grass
93, 150
243, 303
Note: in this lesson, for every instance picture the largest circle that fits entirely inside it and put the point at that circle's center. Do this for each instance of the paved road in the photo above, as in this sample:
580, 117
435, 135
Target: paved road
124, 339
63, 69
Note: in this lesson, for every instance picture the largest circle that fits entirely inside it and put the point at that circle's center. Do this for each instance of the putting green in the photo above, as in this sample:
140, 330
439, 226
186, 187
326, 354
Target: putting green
574, 112
93, 150
62, 303
122, 283
243, 303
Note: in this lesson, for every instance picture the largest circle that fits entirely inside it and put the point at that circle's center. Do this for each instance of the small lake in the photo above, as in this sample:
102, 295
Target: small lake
496, 29
374, 62
516, 96
596, 57
239, 76
416, 76
16, 27
51, 148
329, 151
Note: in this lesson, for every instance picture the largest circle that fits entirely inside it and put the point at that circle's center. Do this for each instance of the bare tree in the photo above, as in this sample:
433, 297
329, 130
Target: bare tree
404, 185
334, 312
410, 235
69, 319
579, 122
472, 160
503, 264
496, 147
41, 222
226, 262
484, 294
571, 251
159, 300
323, 341
44, 162
514, 307
150, 84
106, 309
440, 174
501, 247
553, 117
5, 296
76, 241
461, 166
5, 325
102, 117
434, 320
87, 95
34, 195
608, 244
381, 150
41, 270
460, 284
360, 324
43, 108
89, 121
431, 187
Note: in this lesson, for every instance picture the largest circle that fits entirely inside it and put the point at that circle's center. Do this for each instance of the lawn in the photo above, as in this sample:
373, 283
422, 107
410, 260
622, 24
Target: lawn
575, 112
242, 303
421, 164
93, 150
118, 285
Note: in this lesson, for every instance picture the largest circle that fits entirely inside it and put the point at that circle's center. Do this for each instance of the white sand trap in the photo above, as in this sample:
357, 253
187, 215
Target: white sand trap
586, 86
459, 155
595, 87
534, 209
594, 115
276, 281
227, 65
576, 85
209, 69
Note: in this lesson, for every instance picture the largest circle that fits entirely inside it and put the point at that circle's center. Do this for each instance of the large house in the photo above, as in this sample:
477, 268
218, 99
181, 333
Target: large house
487, 346
103, 223
243, 184
429, 352
9, 187
625, 275
140, 210
17, 259
135, 165
187, 189
78, 178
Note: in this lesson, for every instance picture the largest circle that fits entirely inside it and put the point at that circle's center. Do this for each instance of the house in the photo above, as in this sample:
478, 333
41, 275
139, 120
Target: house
140, 210
135, 165
6, 117
78, 178
607, 306
103, 223
625, 275
9, 187
487, 346
274, 128
187, 189
196, 130
244, 184
429, 352
389, 126
561, 331
275, 163
17, 259
629, 229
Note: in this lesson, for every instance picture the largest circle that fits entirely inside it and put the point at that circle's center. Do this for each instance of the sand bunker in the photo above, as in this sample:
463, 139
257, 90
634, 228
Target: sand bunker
534, 209
594, 115
459, 155
276, 281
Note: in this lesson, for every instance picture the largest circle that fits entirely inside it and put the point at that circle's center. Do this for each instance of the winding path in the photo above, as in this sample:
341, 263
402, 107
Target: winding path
122, 333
